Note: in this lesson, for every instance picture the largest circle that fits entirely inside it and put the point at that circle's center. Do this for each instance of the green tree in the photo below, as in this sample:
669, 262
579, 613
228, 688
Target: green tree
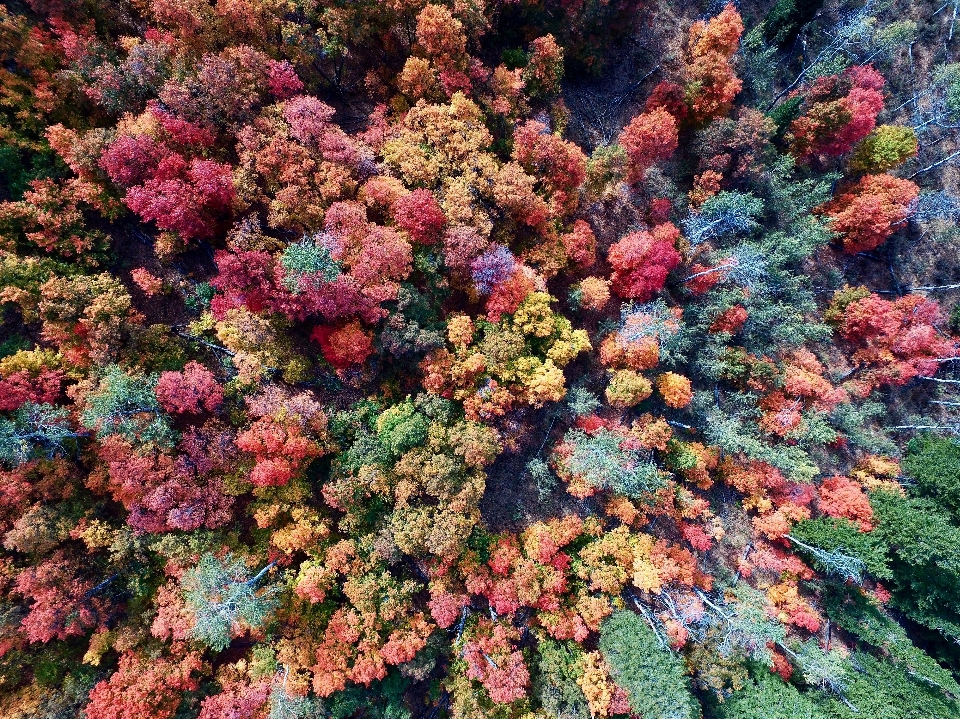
767, 696
923, 547
36, 431
934, 463
559, 665
224, 597
652, 676
127, 405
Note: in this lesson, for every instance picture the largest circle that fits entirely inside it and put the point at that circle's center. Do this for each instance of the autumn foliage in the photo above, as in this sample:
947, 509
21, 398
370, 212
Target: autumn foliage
379, 360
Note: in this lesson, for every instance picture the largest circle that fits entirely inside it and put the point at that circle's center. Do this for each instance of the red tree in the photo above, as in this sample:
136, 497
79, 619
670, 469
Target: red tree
894, 341
650, 137
344, 346
419, 214
63, 604
840, 110
711, 82
185, 198
193, 391
24, 386
869, 212
144, 688
641, 261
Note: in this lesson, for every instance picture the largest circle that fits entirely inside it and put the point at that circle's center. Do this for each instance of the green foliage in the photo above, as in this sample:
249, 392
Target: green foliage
724, 214
13, 344
729, 429
880, 690
307, 260
604, 464
767, 696
651, 675
934, 464
544, 479
287, 706
36, 431
785, 19
582, 402
924, 558
836, 545
857, 613
401, 428
559, 667
224, 597
126, 405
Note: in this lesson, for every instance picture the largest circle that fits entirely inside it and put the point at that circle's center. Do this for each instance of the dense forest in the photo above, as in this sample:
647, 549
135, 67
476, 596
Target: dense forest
507, 359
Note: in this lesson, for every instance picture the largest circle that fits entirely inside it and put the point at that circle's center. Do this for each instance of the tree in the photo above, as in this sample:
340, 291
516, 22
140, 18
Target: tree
650, 137
642, 260
419, 214
934, 463
126, 405
142, 687
884, 149
676, 390
867, 213
840, 110
186, 198
193, 391
64, 603
767, 696
559, 668
225, 599
627, 388
711, 82
600, 460
652, 676
280, 448
36, 431
492, 660
344, 346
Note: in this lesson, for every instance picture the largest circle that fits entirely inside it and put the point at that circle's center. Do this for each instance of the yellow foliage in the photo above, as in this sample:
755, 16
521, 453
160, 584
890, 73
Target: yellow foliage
627, 388
596, 684
534, 316
547, 384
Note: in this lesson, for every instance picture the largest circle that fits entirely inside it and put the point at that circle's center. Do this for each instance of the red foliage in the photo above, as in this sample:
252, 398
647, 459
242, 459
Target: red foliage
187, 199
580, 244
509, 294
63, 604
730, 320
344, 346
282, 80
559, 165
193, 391
844, 499
895, 341
132, 161
163, 494
650, 137
280, 449
419, 214
446, 607
670, 97
23, 386
867, 213
840, 111
492, 660
702, 278
144, 688
641, 261
238, 700
711, 82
